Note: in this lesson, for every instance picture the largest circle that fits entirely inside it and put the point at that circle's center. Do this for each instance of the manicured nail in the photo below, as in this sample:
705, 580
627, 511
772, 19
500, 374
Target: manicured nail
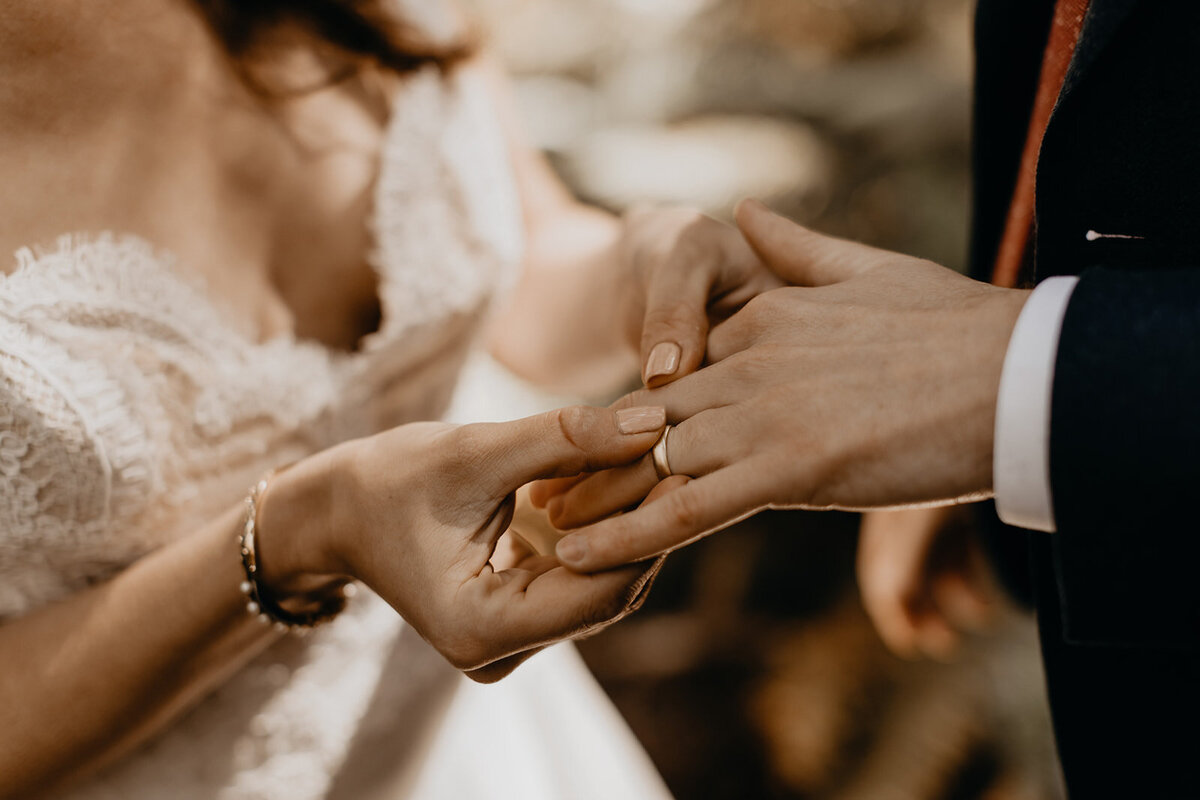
572, 549
641, 419
663, 360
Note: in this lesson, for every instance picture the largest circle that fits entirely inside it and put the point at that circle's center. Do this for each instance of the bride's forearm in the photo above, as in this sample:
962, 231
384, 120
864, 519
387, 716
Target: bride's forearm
562, 327
87, 679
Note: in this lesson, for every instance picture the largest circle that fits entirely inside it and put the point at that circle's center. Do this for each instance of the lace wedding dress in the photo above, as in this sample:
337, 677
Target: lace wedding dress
133, 405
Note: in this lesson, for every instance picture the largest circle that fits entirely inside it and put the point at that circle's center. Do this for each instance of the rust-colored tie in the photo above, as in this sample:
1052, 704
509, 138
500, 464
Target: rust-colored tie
1064, 36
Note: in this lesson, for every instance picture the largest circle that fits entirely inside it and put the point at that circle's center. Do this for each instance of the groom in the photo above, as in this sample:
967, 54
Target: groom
880, 380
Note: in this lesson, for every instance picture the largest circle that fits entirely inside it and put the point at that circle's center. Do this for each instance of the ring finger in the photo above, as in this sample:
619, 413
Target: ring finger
695, 447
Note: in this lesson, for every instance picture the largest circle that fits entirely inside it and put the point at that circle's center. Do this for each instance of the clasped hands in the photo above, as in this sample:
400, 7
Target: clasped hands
798, 370
868, 381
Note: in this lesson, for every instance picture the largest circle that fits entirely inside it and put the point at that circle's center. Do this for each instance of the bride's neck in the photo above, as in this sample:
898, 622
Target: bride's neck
131, 116
68, 63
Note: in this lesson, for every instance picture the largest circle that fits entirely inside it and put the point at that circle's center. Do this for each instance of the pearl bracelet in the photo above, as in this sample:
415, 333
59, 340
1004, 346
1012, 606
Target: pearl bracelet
259, 601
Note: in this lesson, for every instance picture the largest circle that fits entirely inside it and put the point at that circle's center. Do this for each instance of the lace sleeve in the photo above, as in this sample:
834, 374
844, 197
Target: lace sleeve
56, 472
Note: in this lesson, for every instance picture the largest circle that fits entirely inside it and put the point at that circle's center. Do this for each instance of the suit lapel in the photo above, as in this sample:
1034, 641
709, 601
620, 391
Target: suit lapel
1104, 19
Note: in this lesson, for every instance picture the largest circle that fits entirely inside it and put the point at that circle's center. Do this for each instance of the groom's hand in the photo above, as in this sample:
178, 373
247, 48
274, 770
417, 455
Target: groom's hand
871, 382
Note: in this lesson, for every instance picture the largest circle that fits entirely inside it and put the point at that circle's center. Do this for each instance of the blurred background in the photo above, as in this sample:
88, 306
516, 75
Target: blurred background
753, 672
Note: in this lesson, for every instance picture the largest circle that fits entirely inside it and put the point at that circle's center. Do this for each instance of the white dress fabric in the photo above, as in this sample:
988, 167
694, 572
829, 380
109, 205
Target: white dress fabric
133, 405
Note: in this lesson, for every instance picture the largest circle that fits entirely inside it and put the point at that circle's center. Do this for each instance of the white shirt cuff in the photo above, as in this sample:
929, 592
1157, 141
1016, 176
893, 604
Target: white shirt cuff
1021, 460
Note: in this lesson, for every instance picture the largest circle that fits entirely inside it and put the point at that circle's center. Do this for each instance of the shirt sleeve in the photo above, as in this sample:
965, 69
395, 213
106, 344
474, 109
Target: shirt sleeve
1021, 460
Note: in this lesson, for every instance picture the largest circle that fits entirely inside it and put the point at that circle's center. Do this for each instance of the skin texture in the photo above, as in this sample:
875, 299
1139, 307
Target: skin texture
131, 118
869, 382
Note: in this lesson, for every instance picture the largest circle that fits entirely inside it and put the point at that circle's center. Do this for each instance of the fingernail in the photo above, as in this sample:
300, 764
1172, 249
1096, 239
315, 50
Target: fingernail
572, 549
641, 419
663, 360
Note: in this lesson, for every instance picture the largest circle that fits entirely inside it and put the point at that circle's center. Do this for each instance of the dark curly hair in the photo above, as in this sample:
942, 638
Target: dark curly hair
360, 28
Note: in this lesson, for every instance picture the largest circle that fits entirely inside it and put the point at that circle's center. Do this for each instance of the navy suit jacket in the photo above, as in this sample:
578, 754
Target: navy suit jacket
1118, 586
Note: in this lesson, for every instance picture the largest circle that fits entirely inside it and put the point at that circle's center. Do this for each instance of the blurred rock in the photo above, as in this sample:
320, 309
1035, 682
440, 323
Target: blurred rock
709, 162
654, 85
535, 36
556, 111
829, 29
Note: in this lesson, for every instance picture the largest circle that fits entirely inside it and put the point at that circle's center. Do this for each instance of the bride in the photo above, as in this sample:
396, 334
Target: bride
290, 224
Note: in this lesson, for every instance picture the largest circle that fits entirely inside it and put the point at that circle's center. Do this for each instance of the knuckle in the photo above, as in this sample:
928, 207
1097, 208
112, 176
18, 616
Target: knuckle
696, 253
677, 315
695, 236
771, 306
469, 446
741, 448
688, 333
684, 510
782, 303
756, 307
694, 444
569, 424
755, 316
750, 366
562, 421
780, 398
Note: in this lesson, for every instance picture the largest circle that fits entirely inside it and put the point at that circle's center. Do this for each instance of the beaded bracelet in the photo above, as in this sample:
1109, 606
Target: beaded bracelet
259, 601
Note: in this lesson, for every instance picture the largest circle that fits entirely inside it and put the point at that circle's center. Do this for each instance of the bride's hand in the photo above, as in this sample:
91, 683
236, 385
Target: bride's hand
686, 271
416, 514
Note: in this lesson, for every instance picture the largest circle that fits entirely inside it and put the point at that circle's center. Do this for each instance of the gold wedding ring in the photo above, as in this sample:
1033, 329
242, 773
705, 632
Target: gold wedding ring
662, 466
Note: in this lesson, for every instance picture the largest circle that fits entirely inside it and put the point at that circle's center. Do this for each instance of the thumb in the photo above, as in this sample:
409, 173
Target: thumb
558, 443
797, 255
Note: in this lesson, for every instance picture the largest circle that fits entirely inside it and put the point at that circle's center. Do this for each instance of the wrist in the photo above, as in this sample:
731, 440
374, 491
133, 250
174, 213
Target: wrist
294, 528
1000, 314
